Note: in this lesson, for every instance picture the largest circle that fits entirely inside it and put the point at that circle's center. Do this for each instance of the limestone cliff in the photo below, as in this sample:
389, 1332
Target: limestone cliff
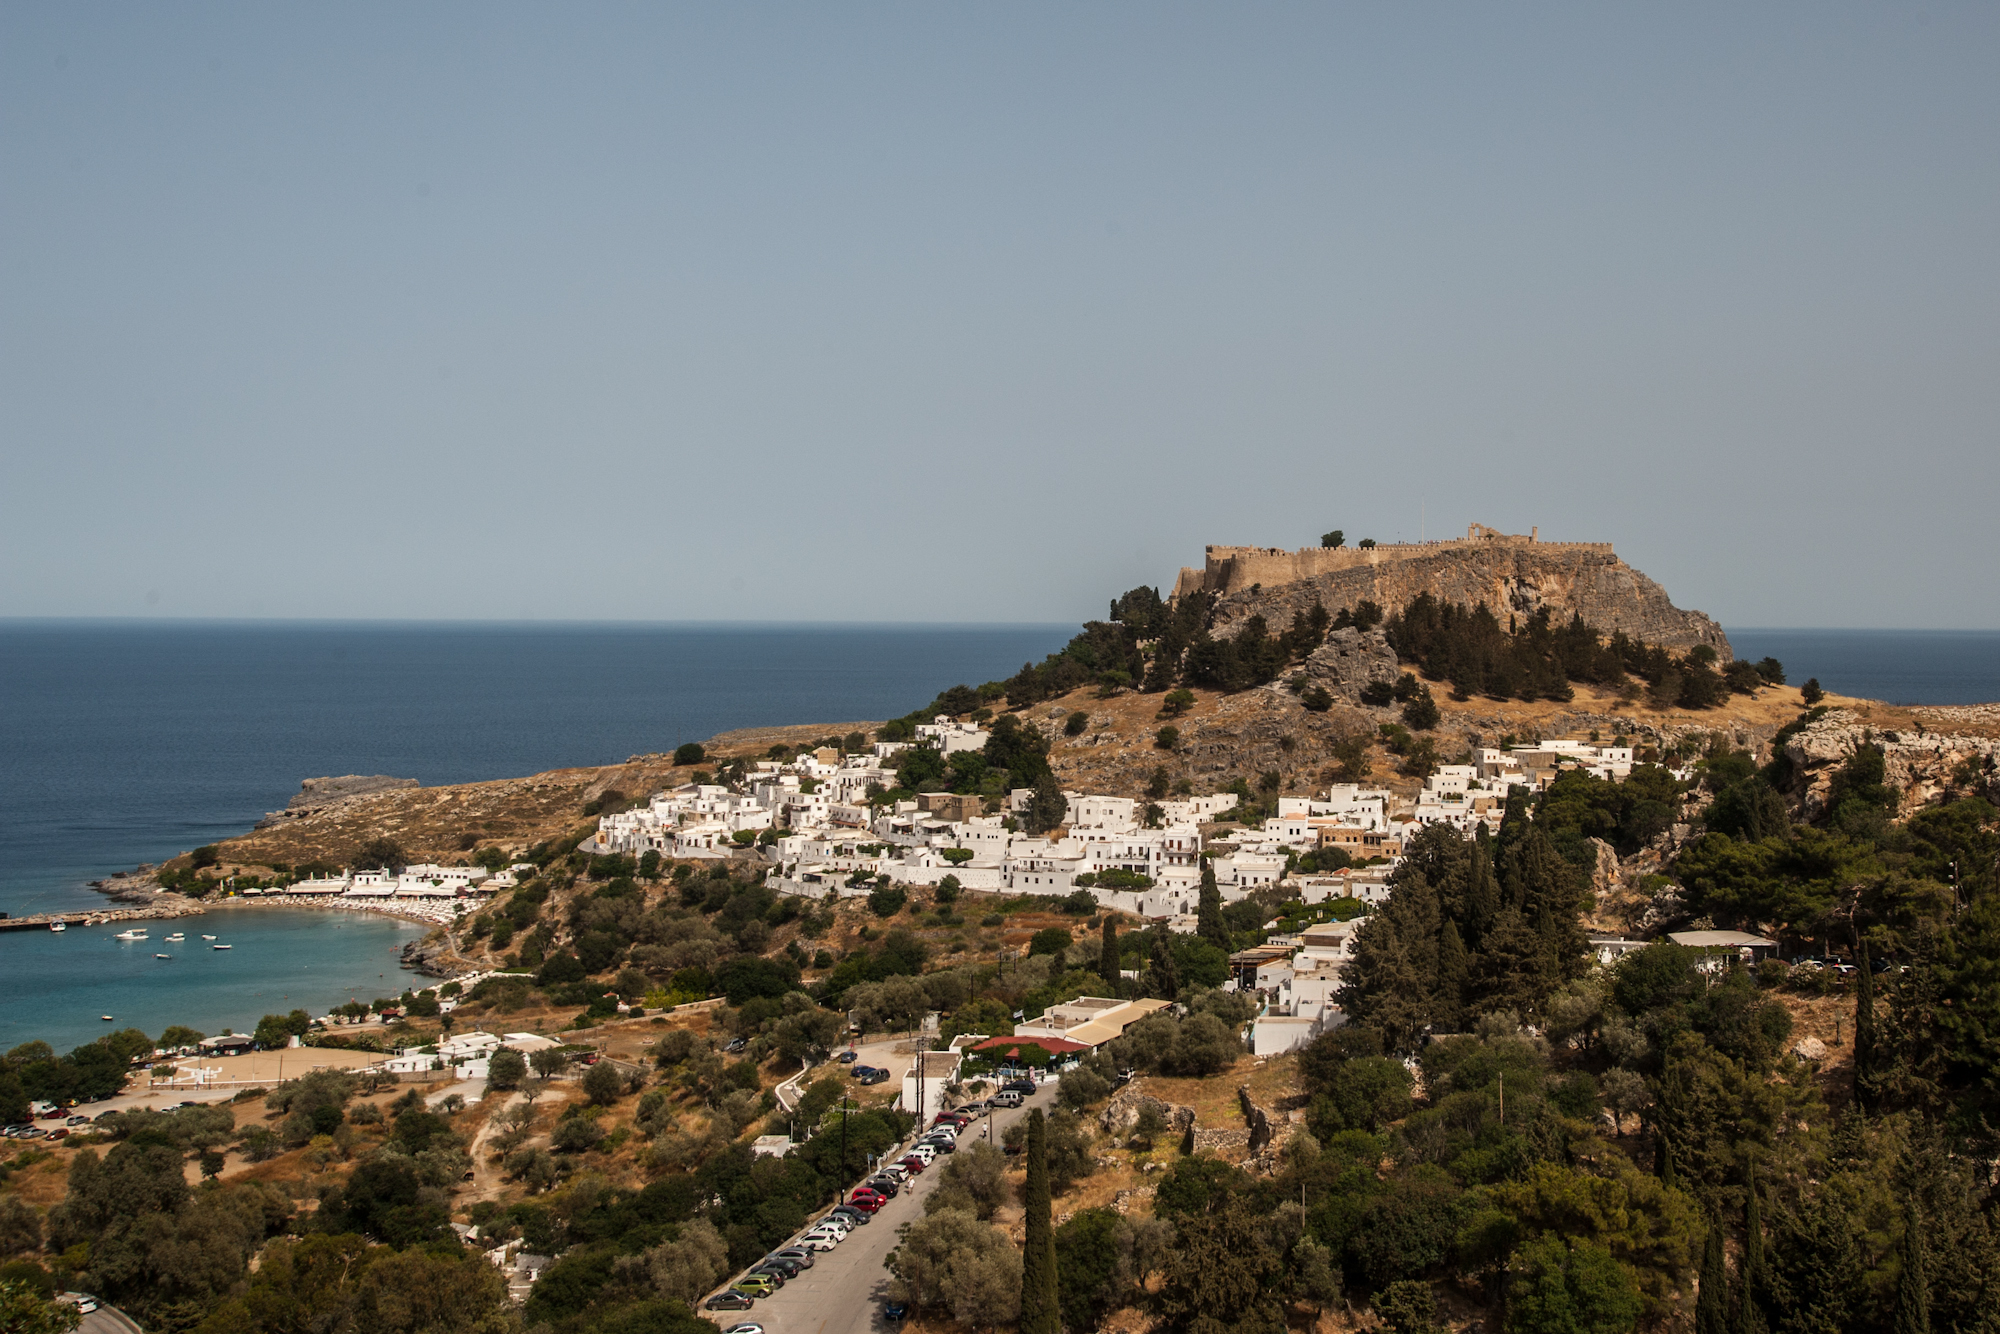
1512, 575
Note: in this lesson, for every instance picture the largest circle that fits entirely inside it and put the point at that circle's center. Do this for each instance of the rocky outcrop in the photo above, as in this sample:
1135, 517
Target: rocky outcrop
1349, 660
1920, 764
1514, 580
322, 791
1121, 1114
319, 794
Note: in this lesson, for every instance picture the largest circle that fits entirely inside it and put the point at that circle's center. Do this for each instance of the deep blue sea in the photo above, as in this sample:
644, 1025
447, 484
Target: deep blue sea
123, 743
127, 742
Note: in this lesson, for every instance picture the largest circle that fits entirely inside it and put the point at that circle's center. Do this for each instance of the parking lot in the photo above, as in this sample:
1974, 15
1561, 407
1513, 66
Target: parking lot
844, 1291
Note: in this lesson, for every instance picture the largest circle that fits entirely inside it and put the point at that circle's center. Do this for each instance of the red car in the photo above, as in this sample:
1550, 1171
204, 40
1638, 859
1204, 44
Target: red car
868, 1193
867, 1204
912, 1164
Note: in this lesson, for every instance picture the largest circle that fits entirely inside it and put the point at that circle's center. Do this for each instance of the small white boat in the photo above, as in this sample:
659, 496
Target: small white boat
163, 956
218, 947
58, 926
208, 937
140, 934
176, 938
105, 1017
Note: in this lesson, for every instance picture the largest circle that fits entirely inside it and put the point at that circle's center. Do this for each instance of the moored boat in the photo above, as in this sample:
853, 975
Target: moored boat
218, 947
58, 926
139, 934
163, 956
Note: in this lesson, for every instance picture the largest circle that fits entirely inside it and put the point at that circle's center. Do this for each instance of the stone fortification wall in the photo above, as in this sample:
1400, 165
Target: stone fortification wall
1513, 576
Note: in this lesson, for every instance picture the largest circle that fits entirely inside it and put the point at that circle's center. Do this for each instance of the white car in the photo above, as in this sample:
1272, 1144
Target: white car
896, 1171
925, 1152
821, 1241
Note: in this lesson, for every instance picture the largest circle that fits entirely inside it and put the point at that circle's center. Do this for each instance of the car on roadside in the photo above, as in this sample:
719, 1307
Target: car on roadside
746, 1328
913, 1165
894, 1311
1024, 1087
884, 1185
760, 1273
86, 1306
78, 1121
797, 1255
757, 1285
730, 1301
1006, 1098
848, 1057
787, 1269
852, 1212
822, 1240
863, 1198
736, 1045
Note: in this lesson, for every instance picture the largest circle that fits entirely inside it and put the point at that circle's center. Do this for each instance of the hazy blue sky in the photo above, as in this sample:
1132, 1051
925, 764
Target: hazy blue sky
987, 312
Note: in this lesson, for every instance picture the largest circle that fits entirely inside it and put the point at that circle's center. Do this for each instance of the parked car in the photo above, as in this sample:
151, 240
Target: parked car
864, 1199
757, 1285
941, 1145
776, 1265
851, 1212
823, 1239
747, 1328
730, 1301
913, 1165
885, 1185
736, 1045
78, 1121
848, 1057
776, 1277
797, 1255
1024, 1087
894, 1311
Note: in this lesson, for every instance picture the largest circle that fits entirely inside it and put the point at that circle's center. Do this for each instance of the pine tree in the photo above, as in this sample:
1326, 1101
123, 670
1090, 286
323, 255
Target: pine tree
1749, 1315
1392, 984
1107, 959
1864, 1031
1041, 1311
1711, 1311
1482, 895
1913, 1300
1209, 925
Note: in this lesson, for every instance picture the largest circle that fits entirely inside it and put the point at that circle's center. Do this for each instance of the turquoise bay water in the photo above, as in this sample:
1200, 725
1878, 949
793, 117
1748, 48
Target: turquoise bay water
280, 959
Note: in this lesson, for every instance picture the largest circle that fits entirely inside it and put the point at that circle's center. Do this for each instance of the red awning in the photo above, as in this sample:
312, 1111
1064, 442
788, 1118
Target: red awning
1053, 1046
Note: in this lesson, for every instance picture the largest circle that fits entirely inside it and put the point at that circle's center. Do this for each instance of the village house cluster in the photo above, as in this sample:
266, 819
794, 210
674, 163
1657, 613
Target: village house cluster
816, 816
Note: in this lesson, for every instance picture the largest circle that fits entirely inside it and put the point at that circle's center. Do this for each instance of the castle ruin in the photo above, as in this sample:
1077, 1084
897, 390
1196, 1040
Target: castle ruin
1513, 575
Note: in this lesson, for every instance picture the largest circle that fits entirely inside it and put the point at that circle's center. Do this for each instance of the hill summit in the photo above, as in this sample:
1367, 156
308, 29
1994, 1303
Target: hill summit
1513, 575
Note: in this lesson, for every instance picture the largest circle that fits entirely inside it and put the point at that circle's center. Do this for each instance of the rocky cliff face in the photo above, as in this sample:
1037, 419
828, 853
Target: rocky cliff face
1512, 580
1922, 764
1349, 660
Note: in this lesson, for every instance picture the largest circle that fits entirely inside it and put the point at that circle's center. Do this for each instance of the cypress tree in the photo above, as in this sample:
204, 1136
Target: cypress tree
1452, 966
1913, 1298
1164, 981
1041, 1311
1864, 1031
1711, 1310
1209, 924
1749, 1316
1107, 959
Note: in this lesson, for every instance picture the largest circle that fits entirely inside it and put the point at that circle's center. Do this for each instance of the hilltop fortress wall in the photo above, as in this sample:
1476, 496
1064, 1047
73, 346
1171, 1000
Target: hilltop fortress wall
1513, 575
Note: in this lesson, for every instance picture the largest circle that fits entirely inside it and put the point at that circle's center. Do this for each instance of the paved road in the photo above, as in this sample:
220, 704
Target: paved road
844, 1291
105, 1320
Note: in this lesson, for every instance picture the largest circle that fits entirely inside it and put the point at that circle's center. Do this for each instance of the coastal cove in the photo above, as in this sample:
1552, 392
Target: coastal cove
129, 743
280, 959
